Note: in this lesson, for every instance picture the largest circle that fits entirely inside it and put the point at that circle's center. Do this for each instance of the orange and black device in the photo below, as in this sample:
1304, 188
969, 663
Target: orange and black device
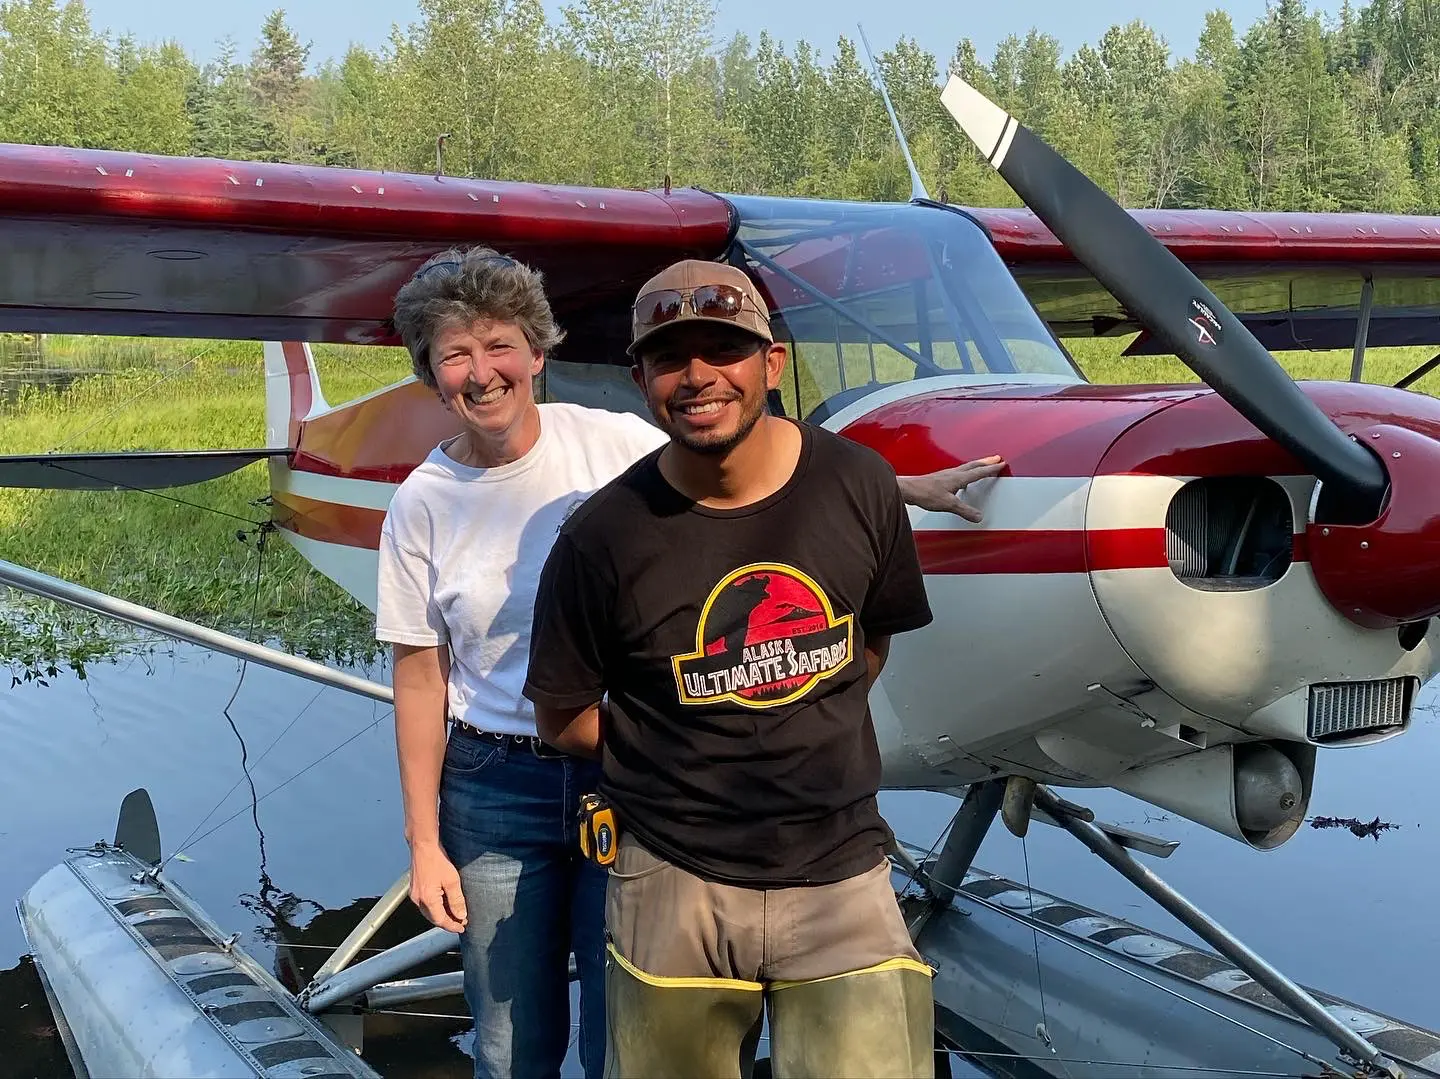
598, 834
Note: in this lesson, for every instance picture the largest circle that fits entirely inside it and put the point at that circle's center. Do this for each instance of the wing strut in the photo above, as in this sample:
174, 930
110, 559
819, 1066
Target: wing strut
74, 595
1419, 373
1362, 328
1217, 936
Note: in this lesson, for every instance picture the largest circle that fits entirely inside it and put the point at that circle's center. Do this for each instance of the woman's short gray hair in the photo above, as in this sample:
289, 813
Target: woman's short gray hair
463, 285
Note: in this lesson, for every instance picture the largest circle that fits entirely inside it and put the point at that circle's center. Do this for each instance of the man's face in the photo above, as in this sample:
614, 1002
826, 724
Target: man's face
484, 373
706, 384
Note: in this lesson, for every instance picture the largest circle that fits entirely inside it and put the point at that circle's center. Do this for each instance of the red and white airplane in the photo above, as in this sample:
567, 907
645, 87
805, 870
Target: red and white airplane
1182, 592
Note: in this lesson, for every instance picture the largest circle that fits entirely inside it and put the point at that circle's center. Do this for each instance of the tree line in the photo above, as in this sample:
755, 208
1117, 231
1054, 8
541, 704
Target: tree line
1297, 112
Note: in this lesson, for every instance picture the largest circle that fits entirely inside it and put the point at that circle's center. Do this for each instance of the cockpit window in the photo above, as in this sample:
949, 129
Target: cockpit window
868, 295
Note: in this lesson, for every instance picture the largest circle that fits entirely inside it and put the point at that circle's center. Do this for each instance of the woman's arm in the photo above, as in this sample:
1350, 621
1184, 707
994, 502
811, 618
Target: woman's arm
420, 678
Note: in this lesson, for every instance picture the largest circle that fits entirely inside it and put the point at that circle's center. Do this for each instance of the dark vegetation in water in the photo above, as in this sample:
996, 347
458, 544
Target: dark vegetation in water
1358, 828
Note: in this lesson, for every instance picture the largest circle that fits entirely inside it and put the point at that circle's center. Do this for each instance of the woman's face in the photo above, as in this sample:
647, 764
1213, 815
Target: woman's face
484, 373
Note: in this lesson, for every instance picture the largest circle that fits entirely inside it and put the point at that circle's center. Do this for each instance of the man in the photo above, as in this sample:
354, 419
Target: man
733, 594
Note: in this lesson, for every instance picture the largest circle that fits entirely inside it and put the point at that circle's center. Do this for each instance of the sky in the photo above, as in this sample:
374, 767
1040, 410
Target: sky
331, 25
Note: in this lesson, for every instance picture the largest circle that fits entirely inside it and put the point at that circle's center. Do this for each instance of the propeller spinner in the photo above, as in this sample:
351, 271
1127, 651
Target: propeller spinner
1372, 518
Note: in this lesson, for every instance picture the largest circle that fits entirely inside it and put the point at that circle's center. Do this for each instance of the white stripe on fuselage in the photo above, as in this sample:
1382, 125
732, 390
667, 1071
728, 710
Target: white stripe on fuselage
369, 494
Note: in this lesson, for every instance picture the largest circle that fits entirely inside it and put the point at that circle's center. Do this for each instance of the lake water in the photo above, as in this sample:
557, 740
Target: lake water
1350, 916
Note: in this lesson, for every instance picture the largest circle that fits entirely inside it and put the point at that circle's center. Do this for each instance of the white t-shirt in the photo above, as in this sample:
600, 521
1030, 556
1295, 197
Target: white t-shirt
462, 548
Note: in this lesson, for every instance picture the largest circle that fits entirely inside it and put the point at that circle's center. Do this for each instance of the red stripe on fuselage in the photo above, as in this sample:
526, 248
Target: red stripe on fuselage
1051, 430
1039, 550
329, 522
1086, 430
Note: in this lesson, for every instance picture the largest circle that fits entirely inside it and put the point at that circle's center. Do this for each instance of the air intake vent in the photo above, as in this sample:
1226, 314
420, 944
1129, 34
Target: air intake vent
1185, 532
1356, 711
1229, 533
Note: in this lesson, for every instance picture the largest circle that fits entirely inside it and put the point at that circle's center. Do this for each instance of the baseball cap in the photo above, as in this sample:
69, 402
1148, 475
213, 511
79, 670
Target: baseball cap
698, 291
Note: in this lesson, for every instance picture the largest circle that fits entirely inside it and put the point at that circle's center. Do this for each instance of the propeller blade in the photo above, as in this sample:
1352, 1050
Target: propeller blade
1167, 297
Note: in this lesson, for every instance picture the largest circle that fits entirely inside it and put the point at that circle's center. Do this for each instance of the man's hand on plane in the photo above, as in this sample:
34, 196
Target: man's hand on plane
939, 491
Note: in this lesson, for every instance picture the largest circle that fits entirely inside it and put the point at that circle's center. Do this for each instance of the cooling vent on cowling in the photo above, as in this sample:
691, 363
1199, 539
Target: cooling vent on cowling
1354, 711
1229, 533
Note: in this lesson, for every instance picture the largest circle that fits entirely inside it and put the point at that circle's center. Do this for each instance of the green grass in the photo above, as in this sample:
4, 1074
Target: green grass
1102, 362
177, 550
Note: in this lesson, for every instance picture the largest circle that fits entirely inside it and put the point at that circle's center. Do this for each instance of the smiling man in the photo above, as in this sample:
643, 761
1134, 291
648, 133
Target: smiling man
731, 598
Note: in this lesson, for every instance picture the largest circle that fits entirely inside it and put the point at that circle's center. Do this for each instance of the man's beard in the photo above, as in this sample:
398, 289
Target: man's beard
709, 443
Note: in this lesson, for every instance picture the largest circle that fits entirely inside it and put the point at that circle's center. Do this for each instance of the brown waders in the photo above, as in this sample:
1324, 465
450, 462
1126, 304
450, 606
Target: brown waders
693, 966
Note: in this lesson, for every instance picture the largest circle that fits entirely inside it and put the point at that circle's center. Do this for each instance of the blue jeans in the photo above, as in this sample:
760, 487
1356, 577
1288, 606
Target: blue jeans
508, 821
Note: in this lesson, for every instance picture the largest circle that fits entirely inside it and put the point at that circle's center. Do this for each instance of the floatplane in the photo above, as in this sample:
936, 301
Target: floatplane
1188, 591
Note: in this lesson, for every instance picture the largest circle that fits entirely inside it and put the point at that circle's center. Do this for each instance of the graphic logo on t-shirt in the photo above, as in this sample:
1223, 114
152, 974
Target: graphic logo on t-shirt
767, 635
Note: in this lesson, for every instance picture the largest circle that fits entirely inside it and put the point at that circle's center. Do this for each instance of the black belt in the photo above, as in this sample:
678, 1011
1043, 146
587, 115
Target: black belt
538, 746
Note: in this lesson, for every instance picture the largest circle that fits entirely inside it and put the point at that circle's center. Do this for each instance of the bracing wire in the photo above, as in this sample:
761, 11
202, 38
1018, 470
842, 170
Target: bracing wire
154, 494
274, 742
244, 667
1039, 977
132, 399
915, 873
281, 786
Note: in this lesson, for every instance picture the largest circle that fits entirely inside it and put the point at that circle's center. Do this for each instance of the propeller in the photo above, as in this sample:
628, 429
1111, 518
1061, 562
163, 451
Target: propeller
1171, 301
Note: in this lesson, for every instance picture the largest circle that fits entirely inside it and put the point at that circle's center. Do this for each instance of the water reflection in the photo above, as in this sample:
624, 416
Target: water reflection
280, 812
55, 380
24, 366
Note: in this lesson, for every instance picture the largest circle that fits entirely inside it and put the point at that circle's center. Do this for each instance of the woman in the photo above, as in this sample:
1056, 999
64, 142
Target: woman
490, 815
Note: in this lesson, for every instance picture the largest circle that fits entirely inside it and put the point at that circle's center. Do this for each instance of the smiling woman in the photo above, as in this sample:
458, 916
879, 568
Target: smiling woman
490, 810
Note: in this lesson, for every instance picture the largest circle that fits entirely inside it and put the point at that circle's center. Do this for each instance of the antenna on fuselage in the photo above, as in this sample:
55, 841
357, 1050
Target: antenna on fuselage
917, 185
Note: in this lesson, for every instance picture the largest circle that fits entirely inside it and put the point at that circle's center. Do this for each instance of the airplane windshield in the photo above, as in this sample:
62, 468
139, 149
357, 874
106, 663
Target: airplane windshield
867, 295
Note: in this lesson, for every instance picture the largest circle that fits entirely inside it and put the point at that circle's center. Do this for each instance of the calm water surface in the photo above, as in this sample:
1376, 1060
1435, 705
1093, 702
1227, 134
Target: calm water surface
294, 873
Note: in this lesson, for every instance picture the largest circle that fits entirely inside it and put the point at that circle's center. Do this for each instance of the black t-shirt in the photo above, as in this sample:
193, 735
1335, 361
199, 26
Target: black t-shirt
731, 645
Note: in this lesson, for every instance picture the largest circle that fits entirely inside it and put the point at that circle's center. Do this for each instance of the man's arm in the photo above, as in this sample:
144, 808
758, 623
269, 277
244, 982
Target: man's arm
877, 650
895, 601
568, 635
939, 491
576, 731
419, 679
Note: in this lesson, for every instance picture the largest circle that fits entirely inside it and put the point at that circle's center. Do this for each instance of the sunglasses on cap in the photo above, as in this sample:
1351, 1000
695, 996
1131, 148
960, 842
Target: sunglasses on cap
707, 301
451, 264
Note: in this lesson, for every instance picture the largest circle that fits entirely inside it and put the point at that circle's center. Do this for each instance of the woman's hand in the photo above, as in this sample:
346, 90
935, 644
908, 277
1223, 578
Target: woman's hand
435, 887
420, 703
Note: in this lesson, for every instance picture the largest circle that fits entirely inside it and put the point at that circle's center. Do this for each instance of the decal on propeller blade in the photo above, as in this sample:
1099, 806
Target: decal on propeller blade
1207, 326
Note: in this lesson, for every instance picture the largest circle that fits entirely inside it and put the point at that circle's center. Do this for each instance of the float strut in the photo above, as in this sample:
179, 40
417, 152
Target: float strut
972, 823
365, 929
1217, 936
350, 983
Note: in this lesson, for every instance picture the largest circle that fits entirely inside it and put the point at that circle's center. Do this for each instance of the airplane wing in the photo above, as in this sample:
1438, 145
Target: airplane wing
1297, 280
116, 243
111, 242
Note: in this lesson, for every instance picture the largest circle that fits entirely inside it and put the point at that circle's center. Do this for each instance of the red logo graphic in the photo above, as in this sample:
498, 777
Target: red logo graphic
767, 634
